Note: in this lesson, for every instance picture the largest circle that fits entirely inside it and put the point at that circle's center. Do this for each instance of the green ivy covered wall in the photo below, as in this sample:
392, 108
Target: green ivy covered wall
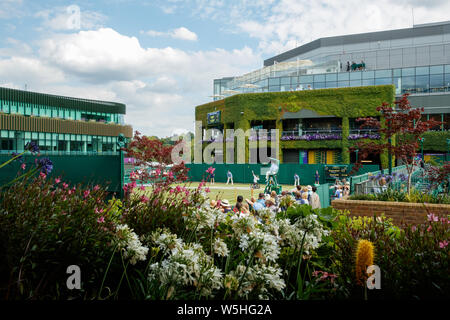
344, 103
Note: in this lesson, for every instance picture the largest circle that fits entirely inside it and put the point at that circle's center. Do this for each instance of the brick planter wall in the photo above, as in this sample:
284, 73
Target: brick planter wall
410, 213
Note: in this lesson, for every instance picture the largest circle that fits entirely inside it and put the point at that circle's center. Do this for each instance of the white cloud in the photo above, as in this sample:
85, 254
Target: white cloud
181, 33
65, 18
160, 86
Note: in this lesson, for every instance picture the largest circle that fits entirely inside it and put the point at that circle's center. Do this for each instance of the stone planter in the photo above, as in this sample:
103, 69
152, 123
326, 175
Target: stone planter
409, 213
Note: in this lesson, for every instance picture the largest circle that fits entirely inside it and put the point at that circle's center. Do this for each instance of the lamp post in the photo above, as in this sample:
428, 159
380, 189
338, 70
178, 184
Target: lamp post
356, 151
390, 155
121, 144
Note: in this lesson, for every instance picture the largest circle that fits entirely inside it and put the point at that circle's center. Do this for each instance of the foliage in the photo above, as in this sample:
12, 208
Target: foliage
415, 196
414, 260
439, 175
404, 124
46, 226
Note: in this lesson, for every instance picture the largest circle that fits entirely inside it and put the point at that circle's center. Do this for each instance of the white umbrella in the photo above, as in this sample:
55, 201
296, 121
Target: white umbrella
231, 91
249, 85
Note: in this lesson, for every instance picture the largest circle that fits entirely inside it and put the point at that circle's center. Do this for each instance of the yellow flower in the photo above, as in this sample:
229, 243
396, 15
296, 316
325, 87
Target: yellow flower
364, 258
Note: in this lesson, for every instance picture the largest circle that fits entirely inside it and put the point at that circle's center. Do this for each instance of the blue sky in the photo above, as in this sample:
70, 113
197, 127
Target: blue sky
160, 57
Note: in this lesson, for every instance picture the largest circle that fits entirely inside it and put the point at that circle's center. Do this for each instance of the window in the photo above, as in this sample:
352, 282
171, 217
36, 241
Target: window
331, 77
368, 82
383, 73
319, 85
422, 84
408, 72
309, 79
343, 84
319, 78
408, 84
422, 71
379, 81
343, 76
436, 69
355, 83
355, 75
274, 81
285, 80
436, 82
368, 75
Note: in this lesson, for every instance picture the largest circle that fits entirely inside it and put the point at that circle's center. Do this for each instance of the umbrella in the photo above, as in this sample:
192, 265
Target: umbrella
249, 85
231, 91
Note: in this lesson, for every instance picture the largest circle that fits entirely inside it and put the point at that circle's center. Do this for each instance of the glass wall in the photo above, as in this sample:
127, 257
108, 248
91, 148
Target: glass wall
427, 79
60, 143
12, 107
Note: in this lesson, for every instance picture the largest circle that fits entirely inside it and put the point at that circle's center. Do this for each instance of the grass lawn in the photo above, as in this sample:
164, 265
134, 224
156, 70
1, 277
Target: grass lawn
230, 192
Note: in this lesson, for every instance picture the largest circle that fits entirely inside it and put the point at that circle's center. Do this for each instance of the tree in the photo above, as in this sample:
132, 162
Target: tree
151, 152
439, 175
400, 123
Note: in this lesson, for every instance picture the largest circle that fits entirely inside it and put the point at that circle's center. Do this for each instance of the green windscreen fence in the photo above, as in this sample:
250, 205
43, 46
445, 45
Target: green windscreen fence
242, 173
73, 169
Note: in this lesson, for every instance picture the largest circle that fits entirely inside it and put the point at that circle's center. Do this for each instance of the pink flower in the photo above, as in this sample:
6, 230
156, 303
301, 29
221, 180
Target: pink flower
65, 185
178, 189
171, 191
185, 201
42, 175
23, 166
57, 180
86, 193
429, 229
163, 208
170, 174
134, 175
155, 202
144, 199
97, 187
432, 217
157, 172
142, 188
97, 211
443, 244
101, 219
413, 228
207, 190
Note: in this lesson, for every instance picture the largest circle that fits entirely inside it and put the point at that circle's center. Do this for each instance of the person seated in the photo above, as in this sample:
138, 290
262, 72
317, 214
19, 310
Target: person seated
382, 186
274, 196
298, 197
258, 204
213, 204
270, 204
239, 199
304, 198
225, 206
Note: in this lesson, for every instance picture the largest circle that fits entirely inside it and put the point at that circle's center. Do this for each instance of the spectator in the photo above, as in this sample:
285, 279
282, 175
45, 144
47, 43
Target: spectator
225, 206
274, 196
304, 199
338, 193
270, 204
296, 179
260, 203
213, 204
382, 185
348, 66
315, 199
298, 197
239, 199
346, 191
309, 192
229, 177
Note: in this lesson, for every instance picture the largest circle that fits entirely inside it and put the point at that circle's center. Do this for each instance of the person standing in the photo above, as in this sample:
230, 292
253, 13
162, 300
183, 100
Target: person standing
296, 180
317, 178
315, 199
229, 177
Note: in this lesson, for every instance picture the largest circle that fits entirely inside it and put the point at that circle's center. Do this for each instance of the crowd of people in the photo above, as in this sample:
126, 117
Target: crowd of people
305, 195
341, 188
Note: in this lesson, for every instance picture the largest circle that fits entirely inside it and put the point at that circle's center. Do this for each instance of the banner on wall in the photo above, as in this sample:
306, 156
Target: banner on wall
336, 172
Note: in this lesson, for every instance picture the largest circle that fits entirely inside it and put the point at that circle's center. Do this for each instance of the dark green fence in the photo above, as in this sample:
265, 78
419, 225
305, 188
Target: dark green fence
242, 173
87, 170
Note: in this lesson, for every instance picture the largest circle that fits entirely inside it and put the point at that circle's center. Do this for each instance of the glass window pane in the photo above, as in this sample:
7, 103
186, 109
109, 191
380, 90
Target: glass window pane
355, 83
355, 75
274, 88
307, 79
274, 81
343, 76
368, 82
436, 82
379, 81
447, 68
319, 85
286, 80
331, 84
422, 83
408, 72
368, 75
331, 77
343, 84
422, 71
383, 73
436, 69
397, 72
319, 78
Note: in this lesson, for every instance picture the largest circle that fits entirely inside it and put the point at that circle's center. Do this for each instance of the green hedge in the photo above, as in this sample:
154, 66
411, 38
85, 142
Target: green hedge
436, 141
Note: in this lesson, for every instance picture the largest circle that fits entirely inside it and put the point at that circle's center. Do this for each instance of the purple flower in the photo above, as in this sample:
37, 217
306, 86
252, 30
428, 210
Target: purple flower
20, 158
32, 147
46, 165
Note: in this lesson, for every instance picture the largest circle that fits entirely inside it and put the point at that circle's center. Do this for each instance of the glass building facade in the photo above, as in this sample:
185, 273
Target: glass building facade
59, 125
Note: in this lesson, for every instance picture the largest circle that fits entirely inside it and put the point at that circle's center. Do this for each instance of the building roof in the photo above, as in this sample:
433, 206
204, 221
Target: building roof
7, 94
420, 30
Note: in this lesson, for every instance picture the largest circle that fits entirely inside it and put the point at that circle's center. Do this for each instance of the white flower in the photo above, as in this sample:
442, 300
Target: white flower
220, 248
129, 243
